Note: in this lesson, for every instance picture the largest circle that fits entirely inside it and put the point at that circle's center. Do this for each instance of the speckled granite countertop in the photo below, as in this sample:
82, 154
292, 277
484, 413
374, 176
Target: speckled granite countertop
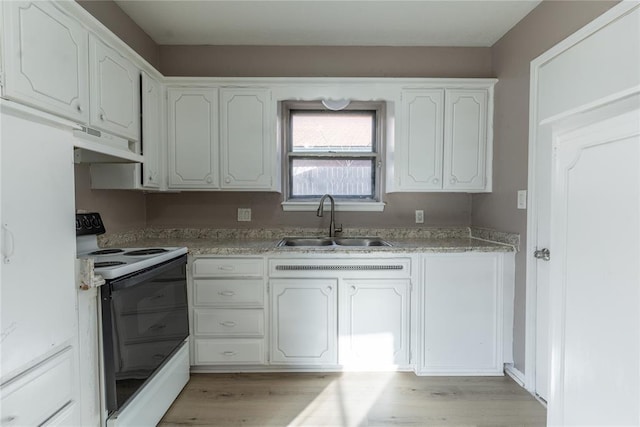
261, 241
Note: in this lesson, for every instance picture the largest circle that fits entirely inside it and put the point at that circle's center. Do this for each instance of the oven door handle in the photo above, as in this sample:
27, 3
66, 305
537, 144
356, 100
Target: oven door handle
148, 273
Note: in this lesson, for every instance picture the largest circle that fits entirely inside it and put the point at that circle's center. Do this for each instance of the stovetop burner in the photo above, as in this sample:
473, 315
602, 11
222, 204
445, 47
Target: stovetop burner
151, 251
106, 252
102, 264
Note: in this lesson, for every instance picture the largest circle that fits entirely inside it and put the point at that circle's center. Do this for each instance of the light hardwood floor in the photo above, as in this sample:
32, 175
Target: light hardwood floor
352, 399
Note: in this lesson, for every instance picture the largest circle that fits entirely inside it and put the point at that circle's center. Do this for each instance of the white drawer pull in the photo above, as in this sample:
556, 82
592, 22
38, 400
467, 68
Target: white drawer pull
226, 268
228, 323
226, 293
229, 353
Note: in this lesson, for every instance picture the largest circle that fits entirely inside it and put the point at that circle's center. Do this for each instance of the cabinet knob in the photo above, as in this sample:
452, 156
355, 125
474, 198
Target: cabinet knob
227, 180
226, 293
228, 324
102, 116
436, 180
229, 353
79, 108
453, 180
150, 178
209, 180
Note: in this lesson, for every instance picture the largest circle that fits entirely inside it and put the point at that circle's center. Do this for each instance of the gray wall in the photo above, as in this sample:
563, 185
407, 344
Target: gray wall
114, 18
546, 25
219, 209
324, 61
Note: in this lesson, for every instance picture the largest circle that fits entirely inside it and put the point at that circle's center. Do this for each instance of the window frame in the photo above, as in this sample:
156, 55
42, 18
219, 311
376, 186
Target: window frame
354, 203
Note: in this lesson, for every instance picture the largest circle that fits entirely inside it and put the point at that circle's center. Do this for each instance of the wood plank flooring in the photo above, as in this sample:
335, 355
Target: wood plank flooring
352, 399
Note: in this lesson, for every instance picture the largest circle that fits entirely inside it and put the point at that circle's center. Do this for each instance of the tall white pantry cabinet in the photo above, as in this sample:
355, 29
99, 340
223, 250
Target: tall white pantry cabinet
38, 353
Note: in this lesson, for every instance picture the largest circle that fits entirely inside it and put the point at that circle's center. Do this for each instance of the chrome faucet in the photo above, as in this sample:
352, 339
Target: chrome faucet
332, 223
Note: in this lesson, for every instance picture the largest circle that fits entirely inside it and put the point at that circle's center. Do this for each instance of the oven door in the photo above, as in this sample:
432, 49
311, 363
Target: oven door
144, 320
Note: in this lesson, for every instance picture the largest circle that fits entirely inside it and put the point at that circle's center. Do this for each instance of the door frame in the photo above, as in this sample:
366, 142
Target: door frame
532, 212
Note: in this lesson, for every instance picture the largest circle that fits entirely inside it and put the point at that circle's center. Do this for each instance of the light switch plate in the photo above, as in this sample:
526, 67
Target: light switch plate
244, 214
522, 199
419, 217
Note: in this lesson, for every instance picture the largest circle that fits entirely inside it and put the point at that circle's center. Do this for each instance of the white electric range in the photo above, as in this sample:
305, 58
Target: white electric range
112, 263
144, 325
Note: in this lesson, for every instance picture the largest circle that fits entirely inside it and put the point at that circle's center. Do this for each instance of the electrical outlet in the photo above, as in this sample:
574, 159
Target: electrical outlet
244, 214
522, 199
419, 217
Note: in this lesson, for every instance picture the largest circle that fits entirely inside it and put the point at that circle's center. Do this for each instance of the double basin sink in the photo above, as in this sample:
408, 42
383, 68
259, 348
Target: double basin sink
333, 241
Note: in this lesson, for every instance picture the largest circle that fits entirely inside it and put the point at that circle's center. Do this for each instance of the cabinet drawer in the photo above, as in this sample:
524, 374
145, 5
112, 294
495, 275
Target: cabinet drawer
239, 323
229, 352
41, 392
233, 292
227, 267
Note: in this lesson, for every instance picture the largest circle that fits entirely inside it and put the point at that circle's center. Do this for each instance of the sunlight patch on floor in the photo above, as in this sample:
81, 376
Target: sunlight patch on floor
344, 402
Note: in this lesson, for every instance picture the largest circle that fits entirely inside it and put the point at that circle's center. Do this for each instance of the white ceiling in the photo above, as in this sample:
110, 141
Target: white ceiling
327, 22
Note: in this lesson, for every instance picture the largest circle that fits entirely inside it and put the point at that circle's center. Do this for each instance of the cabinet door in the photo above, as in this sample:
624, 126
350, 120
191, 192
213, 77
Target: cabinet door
462, 314
420, 150
38, 242
151, 131
465, 139
46, 59
115, 91
374, 323
193, 138
303, 321
246, 145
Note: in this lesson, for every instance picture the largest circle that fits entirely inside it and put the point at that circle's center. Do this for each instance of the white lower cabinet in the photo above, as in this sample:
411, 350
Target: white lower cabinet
303, 321
227, 311
44, 395
453, 311
374, 323
463, 307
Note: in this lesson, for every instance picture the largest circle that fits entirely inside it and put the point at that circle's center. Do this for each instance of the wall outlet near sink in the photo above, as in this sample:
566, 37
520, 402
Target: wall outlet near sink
419, 217
244, 214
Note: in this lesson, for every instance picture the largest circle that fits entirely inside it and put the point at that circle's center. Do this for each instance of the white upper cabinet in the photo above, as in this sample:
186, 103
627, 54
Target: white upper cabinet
247, 152
444, 141
46, 59
420, 153
115, 91
193, 138
465, 139
151, 131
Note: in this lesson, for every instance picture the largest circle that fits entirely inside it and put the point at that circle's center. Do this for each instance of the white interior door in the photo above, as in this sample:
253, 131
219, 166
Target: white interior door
595, 274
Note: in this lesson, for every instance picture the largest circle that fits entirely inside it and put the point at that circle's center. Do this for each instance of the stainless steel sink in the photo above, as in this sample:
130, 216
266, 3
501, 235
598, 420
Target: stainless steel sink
360, 241
336, 241
305, 241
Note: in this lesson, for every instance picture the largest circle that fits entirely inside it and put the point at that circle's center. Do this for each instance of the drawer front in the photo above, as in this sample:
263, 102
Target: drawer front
39, 393
227, 267
229, 352
230, 292
223, 322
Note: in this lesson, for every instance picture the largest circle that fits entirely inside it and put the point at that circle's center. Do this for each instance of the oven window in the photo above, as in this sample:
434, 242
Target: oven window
149, 320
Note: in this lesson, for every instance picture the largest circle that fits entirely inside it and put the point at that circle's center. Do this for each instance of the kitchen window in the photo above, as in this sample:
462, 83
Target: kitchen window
330, 151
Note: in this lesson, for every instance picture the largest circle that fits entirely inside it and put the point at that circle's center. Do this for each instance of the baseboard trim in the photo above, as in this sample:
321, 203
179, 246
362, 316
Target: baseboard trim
515, 374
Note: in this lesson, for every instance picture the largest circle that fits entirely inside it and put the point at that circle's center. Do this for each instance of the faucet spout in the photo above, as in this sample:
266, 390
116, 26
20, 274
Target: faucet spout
332, 223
